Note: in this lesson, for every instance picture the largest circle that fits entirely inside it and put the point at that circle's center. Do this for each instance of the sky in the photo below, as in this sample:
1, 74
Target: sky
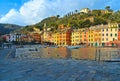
28, 12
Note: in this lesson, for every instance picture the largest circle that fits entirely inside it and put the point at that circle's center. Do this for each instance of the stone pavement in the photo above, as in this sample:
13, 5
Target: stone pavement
58, 70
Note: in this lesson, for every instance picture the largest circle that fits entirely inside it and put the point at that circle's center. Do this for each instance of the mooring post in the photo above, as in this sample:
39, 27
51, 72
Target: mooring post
99, 55
96, 55
111, 55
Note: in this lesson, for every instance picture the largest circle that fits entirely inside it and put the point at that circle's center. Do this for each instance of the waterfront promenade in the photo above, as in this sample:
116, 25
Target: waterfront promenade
12, 69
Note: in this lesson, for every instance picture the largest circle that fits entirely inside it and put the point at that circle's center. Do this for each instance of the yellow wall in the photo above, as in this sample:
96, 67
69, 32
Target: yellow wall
76, 37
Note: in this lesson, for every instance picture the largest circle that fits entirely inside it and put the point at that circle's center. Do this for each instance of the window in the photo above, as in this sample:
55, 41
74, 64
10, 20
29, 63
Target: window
103, 39
106, 39
102, 29
115, 34
111, 29
113, 39
102, 34
76, 40
77, 36
111, 35
107, 34
99, 39
106, 29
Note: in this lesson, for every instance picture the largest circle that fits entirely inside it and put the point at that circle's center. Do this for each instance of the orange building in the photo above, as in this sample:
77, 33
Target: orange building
118, 37
63, 36
27, 38
97, 37
85, 35
36, 37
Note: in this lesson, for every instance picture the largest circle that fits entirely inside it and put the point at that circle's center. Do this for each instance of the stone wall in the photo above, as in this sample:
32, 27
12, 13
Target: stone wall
83, 53
42, 53
108, 54
27, 53
65, 53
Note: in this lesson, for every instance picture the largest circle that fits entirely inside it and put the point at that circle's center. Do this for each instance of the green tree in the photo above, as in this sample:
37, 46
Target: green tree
96, 12
76, 11
87, 23
98, 21
107, 8
58, 16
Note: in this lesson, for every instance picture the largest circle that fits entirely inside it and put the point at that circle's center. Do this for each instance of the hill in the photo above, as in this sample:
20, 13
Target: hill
78, 19
7, 28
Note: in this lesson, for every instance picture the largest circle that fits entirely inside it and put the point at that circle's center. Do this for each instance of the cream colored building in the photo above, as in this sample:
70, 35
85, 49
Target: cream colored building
36, 30
109, 33
45, 34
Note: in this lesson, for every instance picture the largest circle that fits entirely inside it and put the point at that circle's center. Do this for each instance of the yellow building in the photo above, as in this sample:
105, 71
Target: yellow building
55, 37
76, 37
91, 36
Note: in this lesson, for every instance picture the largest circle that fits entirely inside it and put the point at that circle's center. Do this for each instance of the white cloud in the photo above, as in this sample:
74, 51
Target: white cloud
12, 17
35, 10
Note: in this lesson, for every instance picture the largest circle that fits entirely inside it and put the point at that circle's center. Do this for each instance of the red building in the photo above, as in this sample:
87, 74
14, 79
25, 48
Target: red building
36, 37
119, 35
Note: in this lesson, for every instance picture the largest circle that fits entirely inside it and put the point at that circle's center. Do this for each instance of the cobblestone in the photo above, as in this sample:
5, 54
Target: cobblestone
58, 70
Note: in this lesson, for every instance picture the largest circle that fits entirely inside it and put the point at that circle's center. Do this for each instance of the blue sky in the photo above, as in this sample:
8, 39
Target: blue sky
6, 5
27, 12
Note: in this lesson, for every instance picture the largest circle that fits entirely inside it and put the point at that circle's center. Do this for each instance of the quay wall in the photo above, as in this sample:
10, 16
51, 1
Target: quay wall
42, 52
66, 53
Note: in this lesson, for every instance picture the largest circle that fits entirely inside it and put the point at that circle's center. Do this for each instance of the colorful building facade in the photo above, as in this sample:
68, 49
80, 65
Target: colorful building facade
62, 37
76, 37
100, 35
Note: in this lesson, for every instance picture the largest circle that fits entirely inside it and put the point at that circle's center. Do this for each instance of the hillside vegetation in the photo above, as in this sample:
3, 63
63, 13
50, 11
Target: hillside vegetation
78, 19
7, 28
